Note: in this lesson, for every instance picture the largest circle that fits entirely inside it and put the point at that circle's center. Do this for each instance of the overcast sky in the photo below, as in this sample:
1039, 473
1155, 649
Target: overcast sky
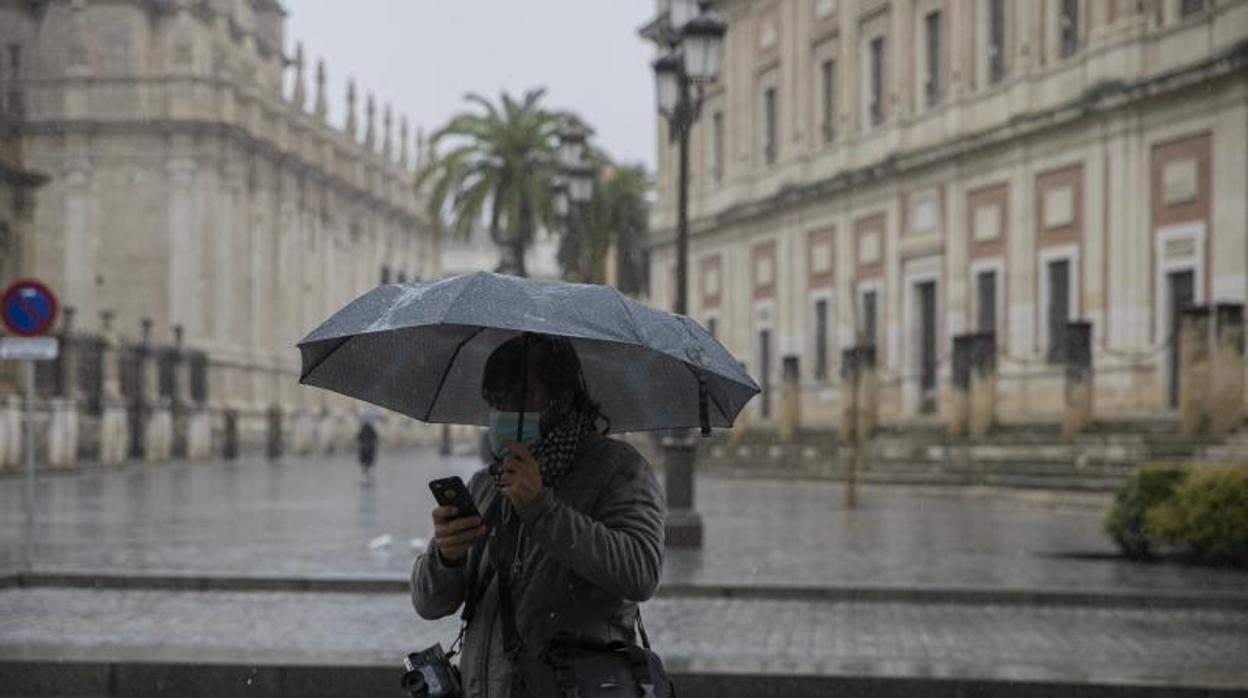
424, 55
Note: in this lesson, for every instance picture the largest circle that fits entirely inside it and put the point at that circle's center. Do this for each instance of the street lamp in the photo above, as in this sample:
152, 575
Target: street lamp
691, 39
576, 183
667, 83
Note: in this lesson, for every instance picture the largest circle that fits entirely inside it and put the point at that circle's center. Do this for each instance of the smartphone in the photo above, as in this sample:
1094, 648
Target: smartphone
451, 491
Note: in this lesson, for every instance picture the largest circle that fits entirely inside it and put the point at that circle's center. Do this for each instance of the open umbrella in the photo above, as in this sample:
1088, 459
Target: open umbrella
420, 349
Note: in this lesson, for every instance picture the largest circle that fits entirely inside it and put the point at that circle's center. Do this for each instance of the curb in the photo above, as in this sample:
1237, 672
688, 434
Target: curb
971, 596
46, 679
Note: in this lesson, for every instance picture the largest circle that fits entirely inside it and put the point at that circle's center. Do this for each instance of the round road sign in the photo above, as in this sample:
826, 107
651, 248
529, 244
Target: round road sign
28, 308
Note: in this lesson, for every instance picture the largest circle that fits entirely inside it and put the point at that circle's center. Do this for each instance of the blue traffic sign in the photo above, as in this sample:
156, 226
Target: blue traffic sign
28, 308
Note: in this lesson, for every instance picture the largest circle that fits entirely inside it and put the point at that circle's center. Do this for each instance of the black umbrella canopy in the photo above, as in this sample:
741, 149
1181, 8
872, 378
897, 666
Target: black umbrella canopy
420, 349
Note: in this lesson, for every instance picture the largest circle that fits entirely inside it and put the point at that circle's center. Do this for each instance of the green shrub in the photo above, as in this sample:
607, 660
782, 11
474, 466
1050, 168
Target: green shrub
1125, 522
1207, 515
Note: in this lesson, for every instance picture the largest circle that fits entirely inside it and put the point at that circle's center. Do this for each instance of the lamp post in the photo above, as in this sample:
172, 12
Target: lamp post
575, 185
690, 37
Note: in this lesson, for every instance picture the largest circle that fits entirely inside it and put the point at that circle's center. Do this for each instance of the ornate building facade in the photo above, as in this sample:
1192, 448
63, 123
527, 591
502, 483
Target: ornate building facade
899, 172
200, 204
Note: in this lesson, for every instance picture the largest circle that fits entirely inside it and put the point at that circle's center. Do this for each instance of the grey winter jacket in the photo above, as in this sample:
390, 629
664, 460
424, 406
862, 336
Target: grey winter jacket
590, 551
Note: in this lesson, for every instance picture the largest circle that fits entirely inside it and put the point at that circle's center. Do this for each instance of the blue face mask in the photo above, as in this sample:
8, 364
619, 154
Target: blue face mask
503, 426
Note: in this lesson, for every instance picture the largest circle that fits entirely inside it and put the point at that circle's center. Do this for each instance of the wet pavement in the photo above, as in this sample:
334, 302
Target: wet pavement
319, 516
1174, 647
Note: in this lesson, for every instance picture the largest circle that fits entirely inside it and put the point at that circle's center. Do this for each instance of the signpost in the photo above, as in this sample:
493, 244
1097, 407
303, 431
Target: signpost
28, 309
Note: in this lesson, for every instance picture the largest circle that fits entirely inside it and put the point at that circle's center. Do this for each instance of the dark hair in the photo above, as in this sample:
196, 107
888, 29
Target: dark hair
552, 360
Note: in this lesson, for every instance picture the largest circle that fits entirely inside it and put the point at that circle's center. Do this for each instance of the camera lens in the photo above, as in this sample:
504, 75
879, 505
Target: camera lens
414, 684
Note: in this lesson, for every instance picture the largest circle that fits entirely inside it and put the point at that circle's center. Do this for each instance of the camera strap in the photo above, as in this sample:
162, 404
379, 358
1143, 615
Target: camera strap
478, 586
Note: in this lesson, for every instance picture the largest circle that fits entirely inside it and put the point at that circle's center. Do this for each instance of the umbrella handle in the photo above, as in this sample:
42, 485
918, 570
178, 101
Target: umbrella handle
524, 387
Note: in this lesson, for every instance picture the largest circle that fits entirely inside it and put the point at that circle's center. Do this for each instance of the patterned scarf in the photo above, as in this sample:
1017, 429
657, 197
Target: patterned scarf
556, 449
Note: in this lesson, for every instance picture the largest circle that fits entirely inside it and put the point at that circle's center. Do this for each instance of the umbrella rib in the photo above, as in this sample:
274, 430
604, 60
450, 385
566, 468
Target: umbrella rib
446, 371
451, 304
619, 297
325, 358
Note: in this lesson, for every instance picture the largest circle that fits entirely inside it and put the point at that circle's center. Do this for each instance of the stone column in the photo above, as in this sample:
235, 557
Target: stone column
983, 391
958, 418
114, 423
1225, 406
791, 399
1079, 393
1194, 368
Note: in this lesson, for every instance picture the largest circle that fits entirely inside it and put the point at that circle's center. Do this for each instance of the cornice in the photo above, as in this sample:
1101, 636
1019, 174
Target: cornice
1098, 99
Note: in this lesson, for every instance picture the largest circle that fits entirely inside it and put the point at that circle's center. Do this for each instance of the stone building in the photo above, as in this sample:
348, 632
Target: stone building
201, 214
899, 173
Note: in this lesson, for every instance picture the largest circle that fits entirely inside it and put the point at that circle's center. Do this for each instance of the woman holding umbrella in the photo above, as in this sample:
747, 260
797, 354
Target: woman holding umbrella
571, 536
583, 520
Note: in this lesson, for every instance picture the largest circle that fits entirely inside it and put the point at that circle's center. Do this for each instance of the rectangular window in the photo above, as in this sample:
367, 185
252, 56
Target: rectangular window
1068, 22
876, 102
821, 339
717, 145
869, 317
931, 29
996, 41
402, 278
928, 367
769, 125
986, 301
1059, 308
828, 82
1182, 289
1191, 7
385, 274
712, 326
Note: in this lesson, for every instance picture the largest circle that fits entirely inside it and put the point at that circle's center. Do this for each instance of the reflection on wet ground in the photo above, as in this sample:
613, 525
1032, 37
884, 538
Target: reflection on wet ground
321, 516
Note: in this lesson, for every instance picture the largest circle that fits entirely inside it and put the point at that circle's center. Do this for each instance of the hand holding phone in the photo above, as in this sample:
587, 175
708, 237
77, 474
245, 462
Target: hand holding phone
457, 524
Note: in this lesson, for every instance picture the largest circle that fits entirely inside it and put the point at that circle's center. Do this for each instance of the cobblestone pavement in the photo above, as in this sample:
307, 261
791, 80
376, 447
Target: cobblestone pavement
317, 516
769, 636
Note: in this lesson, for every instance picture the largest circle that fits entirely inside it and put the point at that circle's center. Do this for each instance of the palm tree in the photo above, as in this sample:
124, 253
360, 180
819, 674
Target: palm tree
499, 167
615, 215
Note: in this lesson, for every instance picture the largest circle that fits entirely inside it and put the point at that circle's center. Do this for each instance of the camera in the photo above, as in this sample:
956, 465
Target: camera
430, 674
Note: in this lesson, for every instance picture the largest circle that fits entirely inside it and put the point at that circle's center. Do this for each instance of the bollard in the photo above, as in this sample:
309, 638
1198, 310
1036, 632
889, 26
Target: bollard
859, 404
1225, 405
983, 393
1194, 368
868, 393
849, 394
791, 400
274, 441
1078, 389
229, 449
959, 395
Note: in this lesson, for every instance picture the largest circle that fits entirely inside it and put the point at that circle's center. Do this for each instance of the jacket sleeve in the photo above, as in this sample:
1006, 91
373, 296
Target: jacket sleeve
438, 589
620, 548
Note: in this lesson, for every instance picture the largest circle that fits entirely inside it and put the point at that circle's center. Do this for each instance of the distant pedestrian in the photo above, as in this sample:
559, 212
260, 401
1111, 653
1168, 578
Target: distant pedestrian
367, 439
